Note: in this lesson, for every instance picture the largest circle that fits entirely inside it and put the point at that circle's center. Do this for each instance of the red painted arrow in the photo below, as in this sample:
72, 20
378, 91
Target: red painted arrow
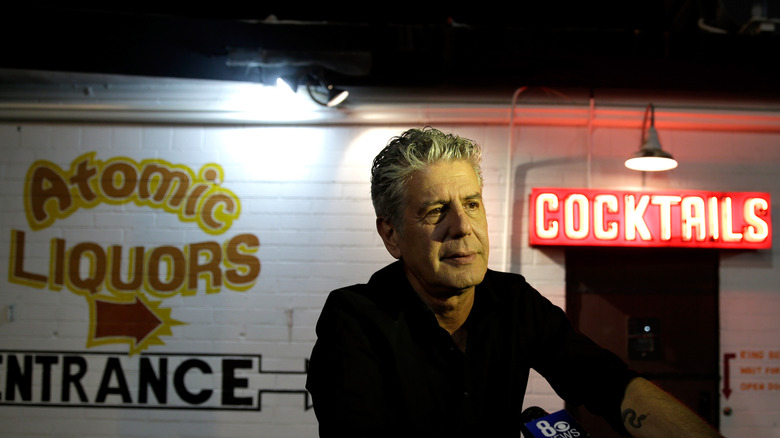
133, 320
726, 374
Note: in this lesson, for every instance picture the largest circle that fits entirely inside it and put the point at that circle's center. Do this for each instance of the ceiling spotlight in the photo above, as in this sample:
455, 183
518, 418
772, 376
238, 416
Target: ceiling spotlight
336, 95
650, 157
330, 96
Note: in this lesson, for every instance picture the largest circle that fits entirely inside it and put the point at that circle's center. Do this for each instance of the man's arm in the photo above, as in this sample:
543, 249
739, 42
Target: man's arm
648, 411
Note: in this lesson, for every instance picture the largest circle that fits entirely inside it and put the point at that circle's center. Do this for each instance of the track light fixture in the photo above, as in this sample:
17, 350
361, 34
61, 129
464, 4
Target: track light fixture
650, 157
336, 95
327, 94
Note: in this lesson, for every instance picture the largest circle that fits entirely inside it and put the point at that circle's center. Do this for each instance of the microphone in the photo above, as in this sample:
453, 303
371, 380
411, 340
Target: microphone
538, 423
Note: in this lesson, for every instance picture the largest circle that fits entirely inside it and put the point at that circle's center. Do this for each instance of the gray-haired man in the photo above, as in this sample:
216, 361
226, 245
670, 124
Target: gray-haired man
436, 344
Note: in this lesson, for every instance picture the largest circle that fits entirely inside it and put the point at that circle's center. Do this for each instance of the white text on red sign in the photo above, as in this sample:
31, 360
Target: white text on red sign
589, 217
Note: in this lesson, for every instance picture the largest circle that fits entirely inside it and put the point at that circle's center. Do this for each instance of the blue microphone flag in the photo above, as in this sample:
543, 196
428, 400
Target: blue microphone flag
556, 425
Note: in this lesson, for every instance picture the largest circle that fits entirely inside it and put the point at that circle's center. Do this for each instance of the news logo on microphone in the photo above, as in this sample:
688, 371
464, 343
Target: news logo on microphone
556, 425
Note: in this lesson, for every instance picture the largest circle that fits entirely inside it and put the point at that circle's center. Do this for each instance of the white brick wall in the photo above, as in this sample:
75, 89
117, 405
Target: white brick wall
304, 193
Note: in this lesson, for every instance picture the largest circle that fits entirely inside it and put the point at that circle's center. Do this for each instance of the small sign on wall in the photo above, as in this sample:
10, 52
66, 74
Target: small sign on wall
593, 217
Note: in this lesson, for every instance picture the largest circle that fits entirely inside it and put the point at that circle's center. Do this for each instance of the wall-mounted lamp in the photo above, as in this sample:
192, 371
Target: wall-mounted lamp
650, 157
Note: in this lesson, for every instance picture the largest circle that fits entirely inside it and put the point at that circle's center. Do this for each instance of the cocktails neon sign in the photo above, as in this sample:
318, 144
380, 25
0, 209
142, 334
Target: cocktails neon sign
590, 217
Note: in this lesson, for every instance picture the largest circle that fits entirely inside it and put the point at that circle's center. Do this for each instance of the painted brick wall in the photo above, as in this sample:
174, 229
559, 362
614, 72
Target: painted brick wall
303, 192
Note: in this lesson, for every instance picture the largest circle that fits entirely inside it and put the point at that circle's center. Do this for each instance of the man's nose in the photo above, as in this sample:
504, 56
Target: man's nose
459, 223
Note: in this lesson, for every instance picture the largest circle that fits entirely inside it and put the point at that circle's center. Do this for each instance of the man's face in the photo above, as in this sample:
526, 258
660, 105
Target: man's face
444, 240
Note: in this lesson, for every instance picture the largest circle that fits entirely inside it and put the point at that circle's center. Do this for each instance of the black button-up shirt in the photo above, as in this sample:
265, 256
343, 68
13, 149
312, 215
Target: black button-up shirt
382, 366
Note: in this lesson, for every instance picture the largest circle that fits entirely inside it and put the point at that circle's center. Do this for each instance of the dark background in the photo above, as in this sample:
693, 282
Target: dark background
705, 46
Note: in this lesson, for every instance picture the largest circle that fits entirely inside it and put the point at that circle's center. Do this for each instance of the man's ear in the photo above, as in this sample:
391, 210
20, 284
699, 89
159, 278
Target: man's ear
389, 236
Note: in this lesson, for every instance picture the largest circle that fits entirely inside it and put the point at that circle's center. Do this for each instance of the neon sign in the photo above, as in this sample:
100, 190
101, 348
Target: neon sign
591, 217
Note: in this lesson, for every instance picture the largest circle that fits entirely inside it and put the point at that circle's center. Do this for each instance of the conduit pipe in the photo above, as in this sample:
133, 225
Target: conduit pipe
508, 193
590, 139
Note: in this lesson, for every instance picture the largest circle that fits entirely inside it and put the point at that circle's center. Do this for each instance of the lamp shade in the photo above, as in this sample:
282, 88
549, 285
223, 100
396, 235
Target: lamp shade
650, 157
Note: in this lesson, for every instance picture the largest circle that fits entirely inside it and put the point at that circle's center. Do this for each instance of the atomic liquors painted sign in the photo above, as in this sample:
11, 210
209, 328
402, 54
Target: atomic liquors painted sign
125, 285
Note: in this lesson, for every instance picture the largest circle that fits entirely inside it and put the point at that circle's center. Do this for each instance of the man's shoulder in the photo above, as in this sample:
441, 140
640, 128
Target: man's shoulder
382, 291
508, 287
504, 276
358, 292
506, 282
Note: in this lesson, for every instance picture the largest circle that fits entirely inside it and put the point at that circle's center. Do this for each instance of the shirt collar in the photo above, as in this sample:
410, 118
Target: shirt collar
395, 291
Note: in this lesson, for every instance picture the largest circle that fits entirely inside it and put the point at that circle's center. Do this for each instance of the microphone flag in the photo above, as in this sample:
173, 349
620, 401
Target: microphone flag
556, 425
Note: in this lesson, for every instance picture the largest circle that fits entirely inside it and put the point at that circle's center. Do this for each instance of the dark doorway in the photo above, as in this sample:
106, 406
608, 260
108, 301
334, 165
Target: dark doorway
657, 308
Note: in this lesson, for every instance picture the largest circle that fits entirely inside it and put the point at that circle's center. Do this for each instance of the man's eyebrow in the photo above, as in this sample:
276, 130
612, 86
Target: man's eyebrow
427, 204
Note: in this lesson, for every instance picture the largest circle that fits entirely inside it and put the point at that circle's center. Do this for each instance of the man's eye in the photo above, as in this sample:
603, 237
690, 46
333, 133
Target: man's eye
434, 215
472, 205
434, 212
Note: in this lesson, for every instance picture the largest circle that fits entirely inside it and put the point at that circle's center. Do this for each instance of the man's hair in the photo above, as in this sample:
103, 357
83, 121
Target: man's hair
411, 152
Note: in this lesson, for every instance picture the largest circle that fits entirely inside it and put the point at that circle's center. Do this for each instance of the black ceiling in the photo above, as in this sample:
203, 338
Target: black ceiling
704, 45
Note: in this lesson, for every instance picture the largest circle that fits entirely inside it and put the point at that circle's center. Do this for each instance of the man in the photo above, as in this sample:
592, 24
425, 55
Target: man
436, 344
